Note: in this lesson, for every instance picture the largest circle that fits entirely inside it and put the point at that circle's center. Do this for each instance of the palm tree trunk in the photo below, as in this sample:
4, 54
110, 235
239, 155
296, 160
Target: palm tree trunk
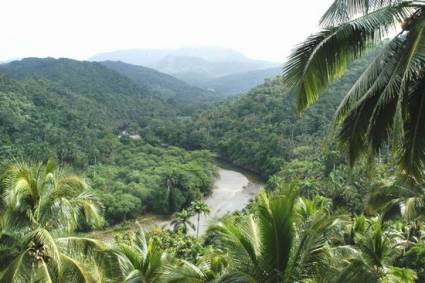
197, 230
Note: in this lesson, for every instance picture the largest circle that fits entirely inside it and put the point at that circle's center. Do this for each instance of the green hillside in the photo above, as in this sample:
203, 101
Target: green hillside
186, 97
74, 110
261, 130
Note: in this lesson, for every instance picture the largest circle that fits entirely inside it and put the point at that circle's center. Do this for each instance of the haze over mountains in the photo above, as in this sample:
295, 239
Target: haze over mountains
206, 67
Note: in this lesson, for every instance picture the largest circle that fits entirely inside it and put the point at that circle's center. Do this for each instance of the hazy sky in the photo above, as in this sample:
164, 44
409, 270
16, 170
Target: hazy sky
262, 29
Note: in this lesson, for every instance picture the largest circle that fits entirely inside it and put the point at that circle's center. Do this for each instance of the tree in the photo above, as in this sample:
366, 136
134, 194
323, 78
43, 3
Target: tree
385, 105
182, 221
208, 268
37, 195
199, 207
271, 246
393, 197
141, 259
370, 254
40, 205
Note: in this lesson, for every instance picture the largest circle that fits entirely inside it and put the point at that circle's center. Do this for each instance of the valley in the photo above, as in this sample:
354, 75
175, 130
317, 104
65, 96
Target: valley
201, 165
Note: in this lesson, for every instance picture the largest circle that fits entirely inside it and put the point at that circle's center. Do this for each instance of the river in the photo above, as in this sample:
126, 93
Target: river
232, 192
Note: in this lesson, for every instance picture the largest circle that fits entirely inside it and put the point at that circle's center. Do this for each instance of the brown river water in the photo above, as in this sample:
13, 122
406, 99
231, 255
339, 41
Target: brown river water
232, 191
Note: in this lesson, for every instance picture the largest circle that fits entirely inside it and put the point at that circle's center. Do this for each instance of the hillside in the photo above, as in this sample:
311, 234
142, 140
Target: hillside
238, 83
163, 85
94, 120
193, 65
74, 110
261, 130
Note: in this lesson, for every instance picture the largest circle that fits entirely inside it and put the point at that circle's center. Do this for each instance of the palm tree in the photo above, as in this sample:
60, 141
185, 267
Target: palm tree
372, 251
271, 246
35, 195
182, 221
171, 180
140, 259
393, 197
40, 205
199, 207
208, 268
385, 105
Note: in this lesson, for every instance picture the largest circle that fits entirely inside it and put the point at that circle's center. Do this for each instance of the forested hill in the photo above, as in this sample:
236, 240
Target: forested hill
261, 131
93, 79
93, 119
74, 110
165, 86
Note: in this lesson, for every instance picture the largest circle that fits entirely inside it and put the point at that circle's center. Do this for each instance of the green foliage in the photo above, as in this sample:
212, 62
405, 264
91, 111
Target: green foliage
261, 131
40, 205
74, 111
142, 178
174, 91
271, 245
385, 105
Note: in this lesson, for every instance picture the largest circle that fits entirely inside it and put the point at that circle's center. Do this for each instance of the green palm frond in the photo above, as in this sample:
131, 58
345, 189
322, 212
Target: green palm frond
396, 274
183, 272
275, 226
265, 247
311, 252
343, 10
16, 270
239, 244
412, 154
324, 57
141, 260
74, 271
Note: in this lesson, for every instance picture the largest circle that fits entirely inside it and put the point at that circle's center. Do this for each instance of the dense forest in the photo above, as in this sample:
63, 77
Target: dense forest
94, 147
261, 131
98, 122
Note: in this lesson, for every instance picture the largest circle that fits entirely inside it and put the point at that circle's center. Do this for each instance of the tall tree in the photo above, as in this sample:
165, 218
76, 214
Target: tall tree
386, 105
41, 205
199, 207
141, 259
182, 221
266, 247
370, 252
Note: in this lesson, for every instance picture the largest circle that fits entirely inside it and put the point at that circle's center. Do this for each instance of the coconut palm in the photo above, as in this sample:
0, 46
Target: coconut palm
394, 198
37, 195
40, 206
182, 221
385, 105
140, 259
270, 246
208, 268
199, 207
373, 252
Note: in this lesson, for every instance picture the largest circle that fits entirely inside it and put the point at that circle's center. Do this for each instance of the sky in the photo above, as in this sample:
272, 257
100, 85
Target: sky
260, 29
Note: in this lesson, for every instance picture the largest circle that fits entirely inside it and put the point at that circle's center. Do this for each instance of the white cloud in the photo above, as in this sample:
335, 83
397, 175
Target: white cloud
264, 29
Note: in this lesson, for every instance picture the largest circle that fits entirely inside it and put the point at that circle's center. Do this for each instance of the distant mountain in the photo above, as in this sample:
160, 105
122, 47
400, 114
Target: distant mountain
193, 65
164, 85
240, 82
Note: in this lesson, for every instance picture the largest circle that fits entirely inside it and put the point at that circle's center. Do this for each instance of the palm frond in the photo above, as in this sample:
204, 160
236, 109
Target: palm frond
343, 10
323, 57
275, 223
311, 253
183, 272
412, 155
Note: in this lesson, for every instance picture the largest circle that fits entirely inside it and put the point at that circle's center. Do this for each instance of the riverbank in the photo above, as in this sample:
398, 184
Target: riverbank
232, 191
